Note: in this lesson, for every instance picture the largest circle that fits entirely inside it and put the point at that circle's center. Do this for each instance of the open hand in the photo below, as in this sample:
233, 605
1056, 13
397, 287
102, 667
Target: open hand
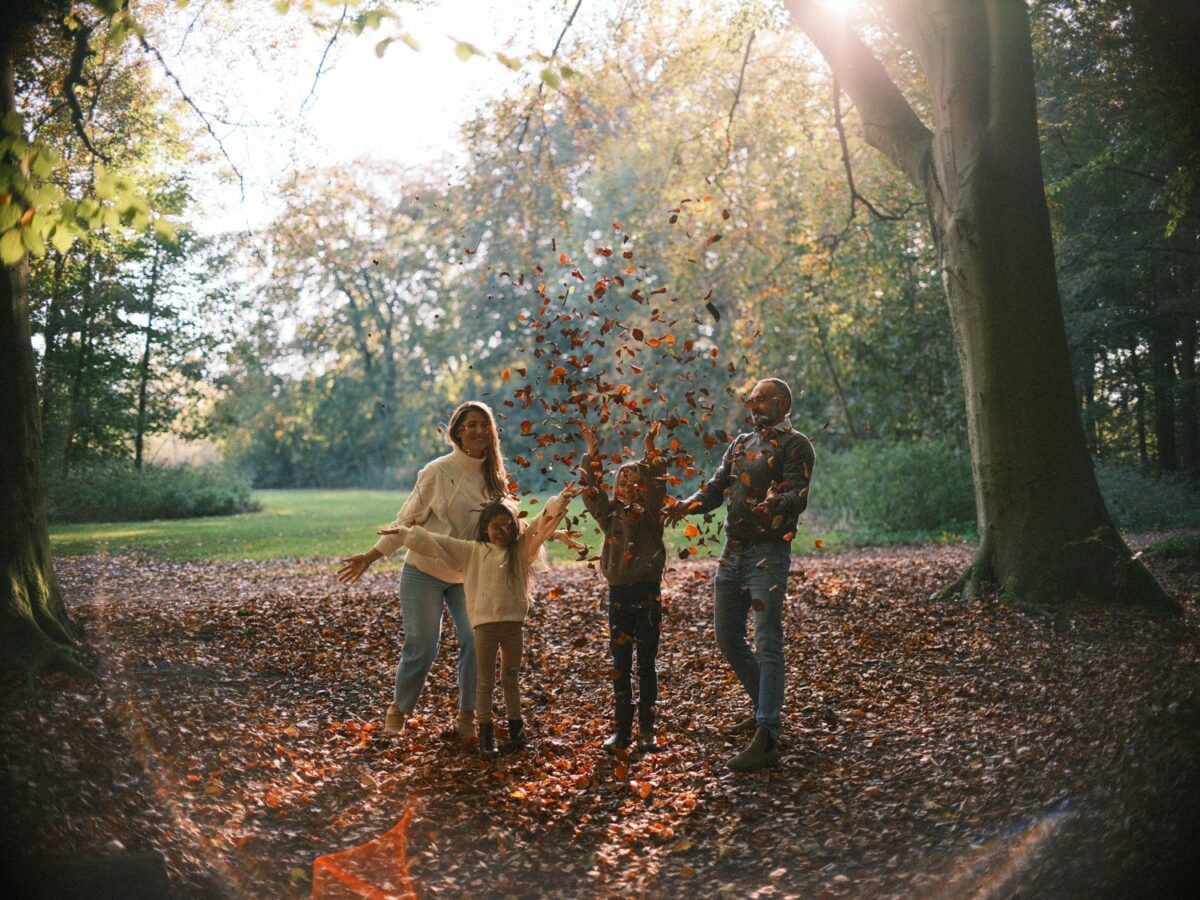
589, 435
673, 512
353, 568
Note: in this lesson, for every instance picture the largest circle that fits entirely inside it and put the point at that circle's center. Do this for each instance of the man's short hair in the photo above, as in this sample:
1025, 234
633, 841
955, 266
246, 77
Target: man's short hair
782, 387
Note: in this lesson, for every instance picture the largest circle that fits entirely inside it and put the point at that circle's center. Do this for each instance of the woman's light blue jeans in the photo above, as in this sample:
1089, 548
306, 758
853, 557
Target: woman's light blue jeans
421, 599
752, 578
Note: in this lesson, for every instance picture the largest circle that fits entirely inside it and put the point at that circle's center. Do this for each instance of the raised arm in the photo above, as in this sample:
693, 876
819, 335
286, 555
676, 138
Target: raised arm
542, 528
595, 498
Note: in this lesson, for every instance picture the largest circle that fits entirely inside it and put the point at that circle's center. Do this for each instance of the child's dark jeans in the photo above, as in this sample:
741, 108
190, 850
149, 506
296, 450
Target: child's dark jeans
634, 618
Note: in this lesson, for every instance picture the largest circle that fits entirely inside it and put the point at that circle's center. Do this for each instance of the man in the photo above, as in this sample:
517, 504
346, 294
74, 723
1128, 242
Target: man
763, 477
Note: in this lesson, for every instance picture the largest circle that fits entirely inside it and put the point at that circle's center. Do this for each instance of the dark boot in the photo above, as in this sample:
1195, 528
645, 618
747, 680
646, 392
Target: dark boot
487, 740
624, 733
645, 737
516, 736
762, 753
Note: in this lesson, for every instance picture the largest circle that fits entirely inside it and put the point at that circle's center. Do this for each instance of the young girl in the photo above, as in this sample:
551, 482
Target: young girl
497, 581
632, 561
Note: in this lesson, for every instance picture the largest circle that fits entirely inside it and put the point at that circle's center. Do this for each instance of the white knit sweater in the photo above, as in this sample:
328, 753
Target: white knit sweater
492, 596
450, 492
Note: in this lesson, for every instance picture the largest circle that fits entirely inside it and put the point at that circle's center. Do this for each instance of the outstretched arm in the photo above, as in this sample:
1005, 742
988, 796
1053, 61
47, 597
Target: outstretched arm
354, 567
711, 493
455, 551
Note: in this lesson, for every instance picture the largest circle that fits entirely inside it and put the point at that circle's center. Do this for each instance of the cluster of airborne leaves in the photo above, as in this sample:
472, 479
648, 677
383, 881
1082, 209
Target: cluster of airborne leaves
930, 748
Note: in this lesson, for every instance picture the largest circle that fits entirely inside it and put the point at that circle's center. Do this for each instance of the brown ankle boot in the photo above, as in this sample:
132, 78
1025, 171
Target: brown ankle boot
762, 753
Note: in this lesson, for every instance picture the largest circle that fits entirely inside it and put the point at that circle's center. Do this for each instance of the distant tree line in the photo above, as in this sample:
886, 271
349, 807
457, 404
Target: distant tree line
326, 350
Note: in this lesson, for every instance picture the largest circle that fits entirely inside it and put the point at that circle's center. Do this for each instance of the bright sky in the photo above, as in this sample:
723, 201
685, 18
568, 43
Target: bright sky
406, 106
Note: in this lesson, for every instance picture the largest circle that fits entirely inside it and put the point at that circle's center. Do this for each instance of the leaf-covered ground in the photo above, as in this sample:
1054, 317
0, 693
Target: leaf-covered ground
931, 749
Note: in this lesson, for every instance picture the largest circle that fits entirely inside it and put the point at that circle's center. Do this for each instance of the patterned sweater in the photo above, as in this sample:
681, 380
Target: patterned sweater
778, 460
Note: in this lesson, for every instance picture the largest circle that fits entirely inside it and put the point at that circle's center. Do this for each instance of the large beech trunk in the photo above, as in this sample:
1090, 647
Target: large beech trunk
35, 631
1045, 533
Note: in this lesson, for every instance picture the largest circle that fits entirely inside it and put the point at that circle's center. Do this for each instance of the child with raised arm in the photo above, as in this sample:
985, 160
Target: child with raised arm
497, 581
632, 562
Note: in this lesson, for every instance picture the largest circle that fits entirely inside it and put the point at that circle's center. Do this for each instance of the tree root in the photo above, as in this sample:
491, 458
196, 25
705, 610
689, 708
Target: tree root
1101, 567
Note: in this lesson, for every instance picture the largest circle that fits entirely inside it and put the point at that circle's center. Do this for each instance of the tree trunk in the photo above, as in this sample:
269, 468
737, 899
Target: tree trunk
35, 631
77, 409
1139, 401
1162, 358
1189, 402
144, 368
1089, 402
1045, 533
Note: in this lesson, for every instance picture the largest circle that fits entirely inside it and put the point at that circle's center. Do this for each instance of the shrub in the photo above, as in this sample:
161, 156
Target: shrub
882, 489
118, 492
1182, 548
917, 491
1140, 502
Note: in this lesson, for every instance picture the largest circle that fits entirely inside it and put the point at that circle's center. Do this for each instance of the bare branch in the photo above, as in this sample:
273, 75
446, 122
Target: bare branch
855, 196
321, 65
153, 51
553, 53
74, 78
737, 95
889, 122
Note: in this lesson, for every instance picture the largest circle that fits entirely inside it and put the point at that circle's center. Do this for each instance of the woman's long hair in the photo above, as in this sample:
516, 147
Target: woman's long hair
518, 572
493, 462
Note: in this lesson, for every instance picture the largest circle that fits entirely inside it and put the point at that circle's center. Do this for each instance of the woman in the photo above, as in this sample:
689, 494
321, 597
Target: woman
448, 496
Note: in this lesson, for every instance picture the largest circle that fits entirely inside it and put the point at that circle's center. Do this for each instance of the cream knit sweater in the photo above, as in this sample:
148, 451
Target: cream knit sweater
449, 494
492, 596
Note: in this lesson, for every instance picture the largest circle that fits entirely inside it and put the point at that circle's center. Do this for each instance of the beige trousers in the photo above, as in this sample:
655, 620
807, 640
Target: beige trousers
505, 637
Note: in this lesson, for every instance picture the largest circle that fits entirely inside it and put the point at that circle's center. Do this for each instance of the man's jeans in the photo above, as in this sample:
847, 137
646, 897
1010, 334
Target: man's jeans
421, 598
753, 578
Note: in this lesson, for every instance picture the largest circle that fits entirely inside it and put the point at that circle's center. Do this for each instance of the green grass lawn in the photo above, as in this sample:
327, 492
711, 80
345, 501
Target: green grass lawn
311, 525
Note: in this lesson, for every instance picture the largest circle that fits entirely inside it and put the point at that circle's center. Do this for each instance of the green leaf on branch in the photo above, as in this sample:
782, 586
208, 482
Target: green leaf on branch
509, 61
11, 248
32, 239
411, 41
551, 78
61, 238
381, 47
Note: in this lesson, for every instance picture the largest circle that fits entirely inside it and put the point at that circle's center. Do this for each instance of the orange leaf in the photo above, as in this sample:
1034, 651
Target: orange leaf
691, 531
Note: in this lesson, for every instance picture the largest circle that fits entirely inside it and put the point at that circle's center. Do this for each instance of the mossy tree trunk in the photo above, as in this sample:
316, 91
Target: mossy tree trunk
35, 631
1045, 533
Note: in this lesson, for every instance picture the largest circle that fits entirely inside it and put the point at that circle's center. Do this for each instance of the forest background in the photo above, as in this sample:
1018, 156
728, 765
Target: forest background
697, 153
